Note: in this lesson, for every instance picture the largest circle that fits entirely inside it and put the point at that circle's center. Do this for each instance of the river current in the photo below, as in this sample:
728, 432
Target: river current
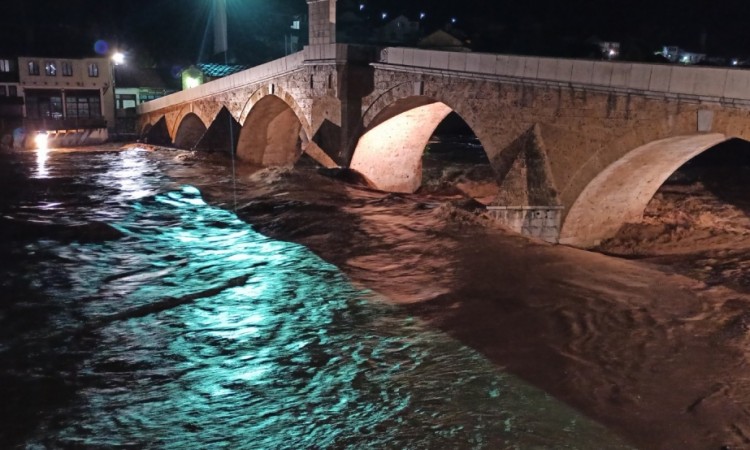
139, 312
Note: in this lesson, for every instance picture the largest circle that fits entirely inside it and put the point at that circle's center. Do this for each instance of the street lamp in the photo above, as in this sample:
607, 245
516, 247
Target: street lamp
117, 59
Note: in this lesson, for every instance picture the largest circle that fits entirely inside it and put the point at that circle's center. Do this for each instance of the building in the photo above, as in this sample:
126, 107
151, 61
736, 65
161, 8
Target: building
72, 99
444, 40
11, 99
201, 73
399, 31
679, 55
133, 86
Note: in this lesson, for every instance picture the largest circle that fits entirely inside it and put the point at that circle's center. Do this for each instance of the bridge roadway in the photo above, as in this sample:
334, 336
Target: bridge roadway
579, 147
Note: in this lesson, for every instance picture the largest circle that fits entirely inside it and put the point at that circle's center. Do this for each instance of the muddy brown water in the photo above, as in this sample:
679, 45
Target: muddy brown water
646, 348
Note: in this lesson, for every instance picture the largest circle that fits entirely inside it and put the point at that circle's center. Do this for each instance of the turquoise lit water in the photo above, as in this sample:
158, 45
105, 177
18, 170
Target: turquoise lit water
193, 331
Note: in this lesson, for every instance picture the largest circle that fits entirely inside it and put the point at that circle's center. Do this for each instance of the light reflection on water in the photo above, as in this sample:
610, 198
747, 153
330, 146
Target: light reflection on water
295, 358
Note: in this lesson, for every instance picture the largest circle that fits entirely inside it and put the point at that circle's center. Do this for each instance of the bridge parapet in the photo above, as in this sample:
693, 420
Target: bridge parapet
246, 77
699, 84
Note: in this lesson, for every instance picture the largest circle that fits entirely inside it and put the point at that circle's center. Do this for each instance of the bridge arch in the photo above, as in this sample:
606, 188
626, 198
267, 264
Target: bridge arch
621, 192
389, 153
274, 129
157, 133
190, 131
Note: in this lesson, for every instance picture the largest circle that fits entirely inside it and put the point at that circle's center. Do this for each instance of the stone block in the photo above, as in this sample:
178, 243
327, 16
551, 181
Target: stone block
421, 58
396, 55
682, 80
661, 76
737, 84
516, 66
457, 61
501, 65
709, 81
439, 60
531, 67
547, 69
473, 62
564, 70
620, 75
582, 71
408, 57
602, 73
640, 76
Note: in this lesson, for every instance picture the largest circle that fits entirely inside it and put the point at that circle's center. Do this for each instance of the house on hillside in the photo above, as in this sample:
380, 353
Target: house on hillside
443, 40
399, 31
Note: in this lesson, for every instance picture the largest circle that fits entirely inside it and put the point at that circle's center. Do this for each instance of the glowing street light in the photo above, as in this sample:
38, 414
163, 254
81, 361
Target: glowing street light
118, 58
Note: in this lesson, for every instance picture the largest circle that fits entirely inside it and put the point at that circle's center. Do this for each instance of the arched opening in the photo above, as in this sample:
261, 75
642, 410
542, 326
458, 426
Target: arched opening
418, 143
158, 134
703, 206
620, 193
145, 130
454, 161
190, 131
270, 135
222, 135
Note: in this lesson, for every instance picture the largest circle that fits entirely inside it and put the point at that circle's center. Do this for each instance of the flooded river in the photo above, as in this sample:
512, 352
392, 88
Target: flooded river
144, 306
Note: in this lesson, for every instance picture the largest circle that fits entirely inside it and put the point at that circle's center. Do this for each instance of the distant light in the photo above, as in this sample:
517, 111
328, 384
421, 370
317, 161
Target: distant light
453, 20
41, 140
191, 82
361, 6
735, 62
118, 58
422, 15
384, 15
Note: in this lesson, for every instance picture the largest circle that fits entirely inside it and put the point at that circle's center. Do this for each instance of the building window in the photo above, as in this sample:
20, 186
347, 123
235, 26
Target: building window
67, 68
12, 91
3, 90
44, 105
33, 68
4, 65
83, 105
126, 101
50, 68
93, 70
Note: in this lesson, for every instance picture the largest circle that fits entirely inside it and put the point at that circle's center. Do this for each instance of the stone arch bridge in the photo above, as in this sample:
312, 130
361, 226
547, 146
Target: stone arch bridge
578, 147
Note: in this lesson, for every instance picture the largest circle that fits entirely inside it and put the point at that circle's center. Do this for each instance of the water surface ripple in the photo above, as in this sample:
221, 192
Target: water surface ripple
145, 339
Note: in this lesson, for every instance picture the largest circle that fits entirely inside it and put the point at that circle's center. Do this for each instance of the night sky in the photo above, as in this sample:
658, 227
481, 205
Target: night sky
175, 31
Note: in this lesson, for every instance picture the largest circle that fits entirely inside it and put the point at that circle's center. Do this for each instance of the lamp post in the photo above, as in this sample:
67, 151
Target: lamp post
117, 59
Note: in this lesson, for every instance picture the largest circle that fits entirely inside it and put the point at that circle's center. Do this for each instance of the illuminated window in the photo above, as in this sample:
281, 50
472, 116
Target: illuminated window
33, 68
93, 70
67, 69
126, 101
83, 105
50, 68
4, 65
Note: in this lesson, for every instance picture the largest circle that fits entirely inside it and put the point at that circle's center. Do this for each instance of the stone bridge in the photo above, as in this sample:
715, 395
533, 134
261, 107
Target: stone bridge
578, 147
